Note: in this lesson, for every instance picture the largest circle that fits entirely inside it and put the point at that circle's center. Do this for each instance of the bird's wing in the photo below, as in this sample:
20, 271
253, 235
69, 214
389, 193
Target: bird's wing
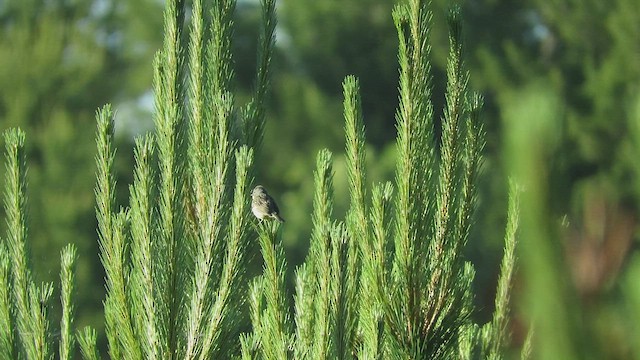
273, 207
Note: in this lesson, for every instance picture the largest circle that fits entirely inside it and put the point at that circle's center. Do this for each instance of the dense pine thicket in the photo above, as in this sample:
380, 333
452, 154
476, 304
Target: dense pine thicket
387, 281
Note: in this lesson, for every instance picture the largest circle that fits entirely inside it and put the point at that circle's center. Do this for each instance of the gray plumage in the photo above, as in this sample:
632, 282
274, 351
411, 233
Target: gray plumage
263, 205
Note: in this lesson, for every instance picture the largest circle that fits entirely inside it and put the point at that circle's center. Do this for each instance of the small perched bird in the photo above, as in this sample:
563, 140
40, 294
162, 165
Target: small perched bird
263, 205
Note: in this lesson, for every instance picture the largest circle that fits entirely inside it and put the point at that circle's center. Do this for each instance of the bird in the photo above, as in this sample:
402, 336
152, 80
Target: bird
263, 205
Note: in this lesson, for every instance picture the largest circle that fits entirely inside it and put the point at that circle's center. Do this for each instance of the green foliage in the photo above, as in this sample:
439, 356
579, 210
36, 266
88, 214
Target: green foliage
87, 343
59, 61
27, 319
189, 224
273, 328
494, 331
6, 331
414, 300
584, 55
67, 339
581, 55
23, 307
579, 52
356, 38
551, 312
389, 281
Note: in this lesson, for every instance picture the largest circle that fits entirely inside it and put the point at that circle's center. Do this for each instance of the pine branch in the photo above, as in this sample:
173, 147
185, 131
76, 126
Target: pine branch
210, 212
196, 84
15, 208
322, 348
374, 276
111, 237
170, 132
304, 312
210, 157
39, 300
115, 263
198, 141
527, 347
355, 154
499, 331
67, 340
249, 347
274, 320
471, 163
322, 203
143, 288
228, 294
448, 241
468, 344
104, 193
357, 225
256, 306
413, 178
87, 342
219, 55
343, 267
318, 261
6, 320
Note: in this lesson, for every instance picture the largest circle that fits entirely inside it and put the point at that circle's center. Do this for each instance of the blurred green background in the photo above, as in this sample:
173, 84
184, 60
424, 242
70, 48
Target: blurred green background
569, 69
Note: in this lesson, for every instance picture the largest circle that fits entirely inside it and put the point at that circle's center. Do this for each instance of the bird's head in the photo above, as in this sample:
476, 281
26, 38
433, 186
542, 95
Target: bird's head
258, 190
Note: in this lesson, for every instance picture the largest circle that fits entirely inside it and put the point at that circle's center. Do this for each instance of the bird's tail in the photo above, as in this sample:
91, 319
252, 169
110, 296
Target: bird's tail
278, 217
